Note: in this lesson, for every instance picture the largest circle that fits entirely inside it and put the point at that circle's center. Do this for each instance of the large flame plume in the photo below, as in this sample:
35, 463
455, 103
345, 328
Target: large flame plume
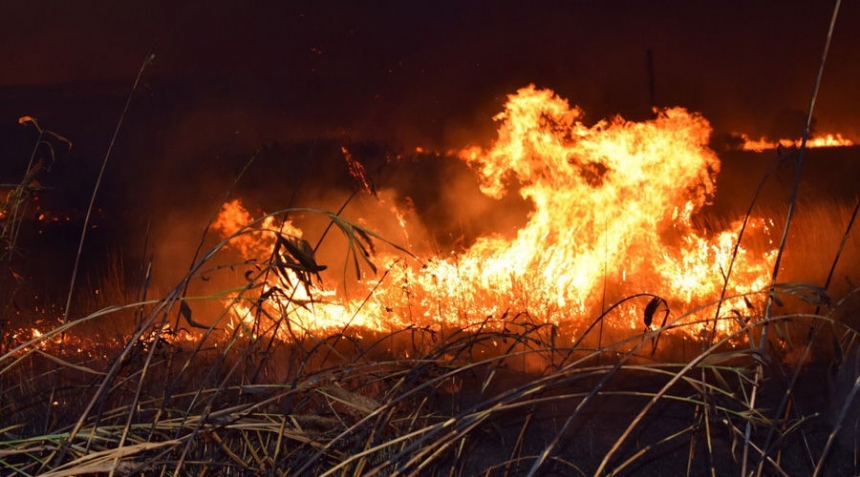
613, 208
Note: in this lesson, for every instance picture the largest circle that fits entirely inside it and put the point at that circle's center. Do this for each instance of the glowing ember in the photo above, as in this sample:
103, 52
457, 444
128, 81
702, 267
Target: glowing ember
762, 144
612, 217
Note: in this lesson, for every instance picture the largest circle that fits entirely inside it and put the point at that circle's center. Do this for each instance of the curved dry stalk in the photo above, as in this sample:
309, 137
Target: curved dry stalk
791, 205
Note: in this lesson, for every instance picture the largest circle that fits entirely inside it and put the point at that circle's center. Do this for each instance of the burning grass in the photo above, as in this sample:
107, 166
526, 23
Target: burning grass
500, 399
612, 334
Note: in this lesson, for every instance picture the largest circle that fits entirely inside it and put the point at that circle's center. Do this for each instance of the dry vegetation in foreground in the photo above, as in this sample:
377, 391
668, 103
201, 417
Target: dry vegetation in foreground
503, 397
163, 396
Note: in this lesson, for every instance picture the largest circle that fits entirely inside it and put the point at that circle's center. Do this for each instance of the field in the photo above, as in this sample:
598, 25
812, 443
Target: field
229, 371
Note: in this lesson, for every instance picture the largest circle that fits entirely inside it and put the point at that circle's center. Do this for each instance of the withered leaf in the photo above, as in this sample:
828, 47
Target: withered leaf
651, 308
364, 236
268, 294
185, 312
302, 251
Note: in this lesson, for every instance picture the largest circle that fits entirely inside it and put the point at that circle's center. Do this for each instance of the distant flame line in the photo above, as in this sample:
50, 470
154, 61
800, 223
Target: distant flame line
763, 144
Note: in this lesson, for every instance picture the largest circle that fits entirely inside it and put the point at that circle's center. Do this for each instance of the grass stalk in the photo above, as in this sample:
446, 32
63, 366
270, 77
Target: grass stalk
791, 205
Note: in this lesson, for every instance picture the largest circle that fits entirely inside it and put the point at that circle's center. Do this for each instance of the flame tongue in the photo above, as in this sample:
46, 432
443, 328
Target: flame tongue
614, 197
545, 146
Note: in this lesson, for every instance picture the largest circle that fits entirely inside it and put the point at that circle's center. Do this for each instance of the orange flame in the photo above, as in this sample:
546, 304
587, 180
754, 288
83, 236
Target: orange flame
612, 216
762, 144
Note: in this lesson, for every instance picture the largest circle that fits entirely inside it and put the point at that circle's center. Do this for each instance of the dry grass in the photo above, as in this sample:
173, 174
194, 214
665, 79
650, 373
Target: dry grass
505, 398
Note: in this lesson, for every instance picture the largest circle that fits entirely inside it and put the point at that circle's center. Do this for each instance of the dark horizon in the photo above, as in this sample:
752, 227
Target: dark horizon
428, 73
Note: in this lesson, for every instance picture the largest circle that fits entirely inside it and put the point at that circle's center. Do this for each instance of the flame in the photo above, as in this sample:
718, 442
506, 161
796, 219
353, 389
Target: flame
613, 207
762, 144
311, 307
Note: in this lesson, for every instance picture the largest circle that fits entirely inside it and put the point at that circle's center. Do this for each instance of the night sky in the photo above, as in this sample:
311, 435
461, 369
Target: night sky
232, 77
424, 71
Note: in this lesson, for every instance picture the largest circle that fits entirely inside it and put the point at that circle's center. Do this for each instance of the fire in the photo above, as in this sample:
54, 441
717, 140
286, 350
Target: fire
762, 144
233, 217
613, 207
289, 289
